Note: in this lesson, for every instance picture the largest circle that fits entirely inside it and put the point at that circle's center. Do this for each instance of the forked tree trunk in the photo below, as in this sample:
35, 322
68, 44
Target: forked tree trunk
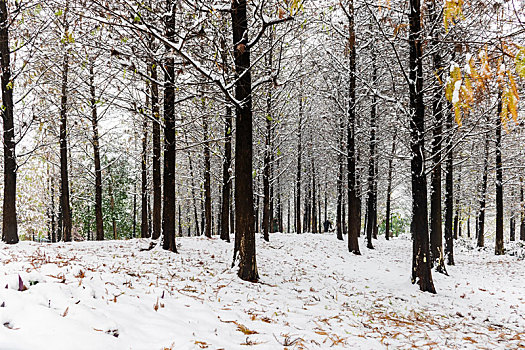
421, 269
9, 221
243, 145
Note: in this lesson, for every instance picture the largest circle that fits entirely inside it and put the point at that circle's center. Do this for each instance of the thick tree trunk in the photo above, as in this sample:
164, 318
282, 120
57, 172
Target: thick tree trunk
421, 269
9, 221
169, 212
354, 205
499, 249
226, 165
157, 173
99, 224
243, 145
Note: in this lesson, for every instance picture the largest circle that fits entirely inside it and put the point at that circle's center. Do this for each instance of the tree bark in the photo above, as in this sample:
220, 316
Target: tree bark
243, 145
421, 269
9, 221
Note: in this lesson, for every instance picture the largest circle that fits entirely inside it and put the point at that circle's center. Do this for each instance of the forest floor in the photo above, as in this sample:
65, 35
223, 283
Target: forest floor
312, 294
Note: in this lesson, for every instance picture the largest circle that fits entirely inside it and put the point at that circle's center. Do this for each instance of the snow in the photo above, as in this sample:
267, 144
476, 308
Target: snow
312, 294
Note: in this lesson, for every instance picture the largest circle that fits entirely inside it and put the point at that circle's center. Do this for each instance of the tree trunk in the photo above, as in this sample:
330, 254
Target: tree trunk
339, 210
207, 176
449, 195
193, 194
144, 227
371, 210
53, 214
266, 222
112, 205
480, 225
314, 204
421, 269
436, 220
298, 181
243, 145
64, 175
499, 249
157, 174
512, 227
354, 206
389, 189
99, 224
9, 221
226, 165
169, 212
522, 213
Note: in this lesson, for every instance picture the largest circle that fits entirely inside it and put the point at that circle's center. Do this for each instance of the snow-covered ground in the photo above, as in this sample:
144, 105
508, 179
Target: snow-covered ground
312, 294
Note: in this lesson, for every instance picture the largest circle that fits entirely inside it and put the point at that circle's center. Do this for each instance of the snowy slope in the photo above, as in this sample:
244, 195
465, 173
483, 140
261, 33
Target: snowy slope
313, 294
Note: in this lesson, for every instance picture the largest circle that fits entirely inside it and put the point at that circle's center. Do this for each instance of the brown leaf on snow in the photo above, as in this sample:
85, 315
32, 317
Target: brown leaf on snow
244, 329
65, 312
201, 344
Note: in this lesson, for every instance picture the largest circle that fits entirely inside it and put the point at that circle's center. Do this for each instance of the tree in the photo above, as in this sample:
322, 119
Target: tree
421, 271
9, 222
